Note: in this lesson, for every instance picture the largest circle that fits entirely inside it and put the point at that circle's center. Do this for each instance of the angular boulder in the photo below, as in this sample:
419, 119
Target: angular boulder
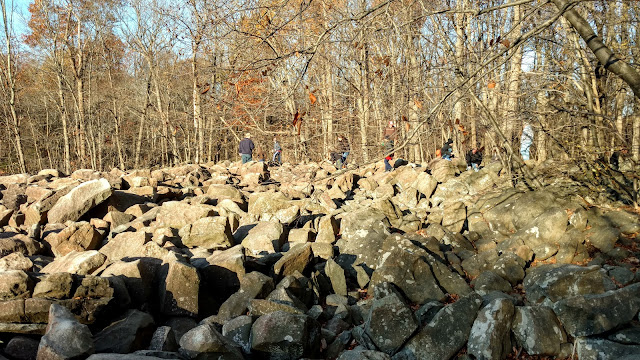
538, 331
286, 336
447, 333
65, 337
209, 233
130, 333
79, 200
490, 336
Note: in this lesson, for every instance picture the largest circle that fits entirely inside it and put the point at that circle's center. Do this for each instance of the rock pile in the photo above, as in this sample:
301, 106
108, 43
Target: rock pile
231, 261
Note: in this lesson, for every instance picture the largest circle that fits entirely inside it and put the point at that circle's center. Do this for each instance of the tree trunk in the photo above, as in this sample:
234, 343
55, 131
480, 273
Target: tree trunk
514, 78
12, 94
604, 55
65, 121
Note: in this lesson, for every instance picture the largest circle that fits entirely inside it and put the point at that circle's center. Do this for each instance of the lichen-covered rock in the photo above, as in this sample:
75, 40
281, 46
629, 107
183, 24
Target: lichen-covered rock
163, 339
286, 336
15, 284
490, 336
555, 282
406, 265
126, 244
335, 273
205, 341
390, 321
489, 281
447, 333
54, 286
177, 214
586, 315
253, 285
238, 330
455, 214
138, 276
65, 337
602, 349
15, 261
537, 330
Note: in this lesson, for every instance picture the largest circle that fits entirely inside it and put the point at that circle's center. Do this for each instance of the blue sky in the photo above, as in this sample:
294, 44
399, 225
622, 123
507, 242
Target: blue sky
19, 16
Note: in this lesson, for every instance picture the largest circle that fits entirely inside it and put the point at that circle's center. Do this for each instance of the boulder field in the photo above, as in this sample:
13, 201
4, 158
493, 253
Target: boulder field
231, 261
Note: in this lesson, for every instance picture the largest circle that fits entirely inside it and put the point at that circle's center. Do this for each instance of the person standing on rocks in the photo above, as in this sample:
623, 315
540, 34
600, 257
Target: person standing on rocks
526, 140
390, 134
245, 148
277, 150
343, 149
447, 150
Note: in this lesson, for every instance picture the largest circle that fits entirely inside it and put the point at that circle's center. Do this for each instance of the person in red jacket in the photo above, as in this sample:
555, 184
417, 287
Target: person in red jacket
390, 134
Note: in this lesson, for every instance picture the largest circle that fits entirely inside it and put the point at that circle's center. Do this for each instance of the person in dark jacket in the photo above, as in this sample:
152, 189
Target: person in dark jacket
389, 136
447, 150
342, 148
246, 148
474, 158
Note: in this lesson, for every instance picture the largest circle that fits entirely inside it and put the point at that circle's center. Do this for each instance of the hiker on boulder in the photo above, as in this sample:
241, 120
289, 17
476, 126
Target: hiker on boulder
389, 136
277, 151
474, 158
447, 150
342, 148
245, 148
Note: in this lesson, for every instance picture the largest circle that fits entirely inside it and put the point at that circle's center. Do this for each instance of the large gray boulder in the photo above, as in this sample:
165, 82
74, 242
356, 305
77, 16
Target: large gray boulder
265, 237
296, 259
253, 285
587, 315
179, 287
407, 266
209, 233
543, 233
390, 321
447, 333
363, 233
555, 282
490, 336
360, 353
286, 336
537, 330
80, 200
602, 349
65, 337
205, 342
238, 330
126, 244
130, 333
138, 275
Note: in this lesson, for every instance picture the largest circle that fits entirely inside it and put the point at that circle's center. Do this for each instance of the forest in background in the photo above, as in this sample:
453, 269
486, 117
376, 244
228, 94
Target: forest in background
147, 83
